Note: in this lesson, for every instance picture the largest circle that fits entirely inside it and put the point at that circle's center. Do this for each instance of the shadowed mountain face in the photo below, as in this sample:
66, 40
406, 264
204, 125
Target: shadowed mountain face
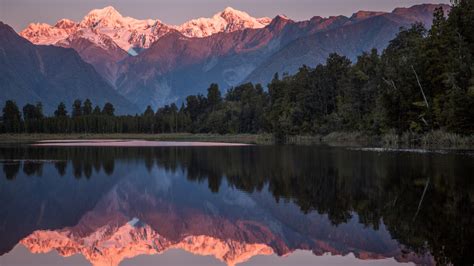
366, 31
174, 62
234, 203
176, 66
50, 74
104, 59
351, 41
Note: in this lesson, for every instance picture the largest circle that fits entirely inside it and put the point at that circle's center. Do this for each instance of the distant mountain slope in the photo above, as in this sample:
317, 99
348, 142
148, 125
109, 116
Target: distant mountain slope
372, 30
103, 54
351, 41
50, 74
176, 66
171, 62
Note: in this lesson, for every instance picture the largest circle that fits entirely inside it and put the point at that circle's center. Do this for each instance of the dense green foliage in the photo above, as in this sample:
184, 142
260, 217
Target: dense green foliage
423, 80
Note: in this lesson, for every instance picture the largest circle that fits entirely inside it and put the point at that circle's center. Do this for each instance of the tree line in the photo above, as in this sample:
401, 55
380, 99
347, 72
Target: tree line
83, 118
423, 81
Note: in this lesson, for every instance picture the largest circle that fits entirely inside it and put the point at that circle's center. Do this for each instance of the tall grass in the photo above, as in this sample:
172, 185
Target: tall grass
355, 138
449, 140
433, 139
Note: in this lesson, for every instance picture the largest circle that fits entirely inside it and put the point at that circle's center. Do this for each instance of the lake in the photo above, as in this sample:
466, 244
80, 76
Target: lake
148, 203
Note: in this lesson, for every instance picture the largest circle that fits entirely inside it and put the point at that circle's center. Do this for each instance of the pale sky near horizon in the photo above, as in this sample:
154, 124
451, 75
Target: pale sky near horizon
19, 13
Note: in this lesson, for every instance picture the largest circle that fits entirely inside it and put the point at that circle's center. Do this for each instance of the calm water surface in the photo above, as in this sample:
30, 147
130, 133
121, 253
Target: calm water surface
246, 205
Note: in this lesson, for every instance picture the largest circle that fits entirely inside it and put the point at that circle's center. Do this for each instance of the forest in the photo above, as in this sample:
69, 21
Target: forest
423, 81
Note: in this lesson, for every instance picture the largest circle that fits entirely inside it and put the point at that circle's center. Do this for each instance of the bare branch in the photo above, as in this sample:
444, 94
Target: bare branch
421, 88
421, 200
391, 83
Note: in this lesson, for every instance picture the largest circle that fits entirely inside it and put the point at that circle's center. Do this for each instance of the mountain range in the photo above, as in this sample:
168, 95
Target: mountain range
147, 62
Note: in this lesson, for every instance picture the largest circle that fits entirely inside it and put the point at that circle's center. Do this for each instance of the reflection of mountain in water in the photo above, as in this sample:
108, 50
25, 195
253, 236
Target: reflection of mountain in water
151, 213
128, 241
148, 210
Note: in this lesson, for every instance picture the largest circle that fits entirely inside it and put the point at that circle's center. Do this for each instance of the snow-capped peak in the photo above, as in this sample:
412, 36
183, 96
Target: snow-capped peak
228, 20
231, 12
108, 11
42, 33
264, 20
65, 24
126, 32
230, 9
130, 33
107, 16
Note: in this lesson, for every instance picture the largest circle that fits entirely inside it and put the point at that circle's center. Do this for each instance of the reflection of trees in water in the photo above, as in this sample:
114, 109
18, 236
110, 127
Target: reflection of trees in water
32, 168
378, 187
84, 161
11, 169
61, 167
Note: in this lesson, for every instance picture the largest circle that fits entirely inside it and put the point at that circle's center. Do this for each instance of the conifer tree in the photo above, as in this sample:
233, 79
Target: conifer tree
87, 109
77, 108
11, 117
61, 110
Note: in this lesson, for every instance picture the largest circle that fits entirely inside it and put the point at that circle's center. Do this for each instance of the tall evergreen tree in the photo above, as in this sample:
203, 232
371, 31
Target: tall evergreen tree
108, 109
29, 112
61, 110
401, 103
96, 110
11, 117
33, 115
149, 112
77, 108
214, 96
87, 109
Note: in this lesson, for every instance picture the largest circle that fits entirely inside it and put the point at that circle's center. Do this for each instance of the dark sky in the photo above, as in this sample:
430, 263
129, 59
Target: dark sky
18, 13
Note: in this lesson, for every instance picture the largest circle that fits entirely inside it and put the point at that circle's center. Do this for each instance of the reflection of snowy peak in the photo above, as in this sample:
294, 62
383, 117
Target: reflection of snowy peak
138, 216
109, 246
129, 33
